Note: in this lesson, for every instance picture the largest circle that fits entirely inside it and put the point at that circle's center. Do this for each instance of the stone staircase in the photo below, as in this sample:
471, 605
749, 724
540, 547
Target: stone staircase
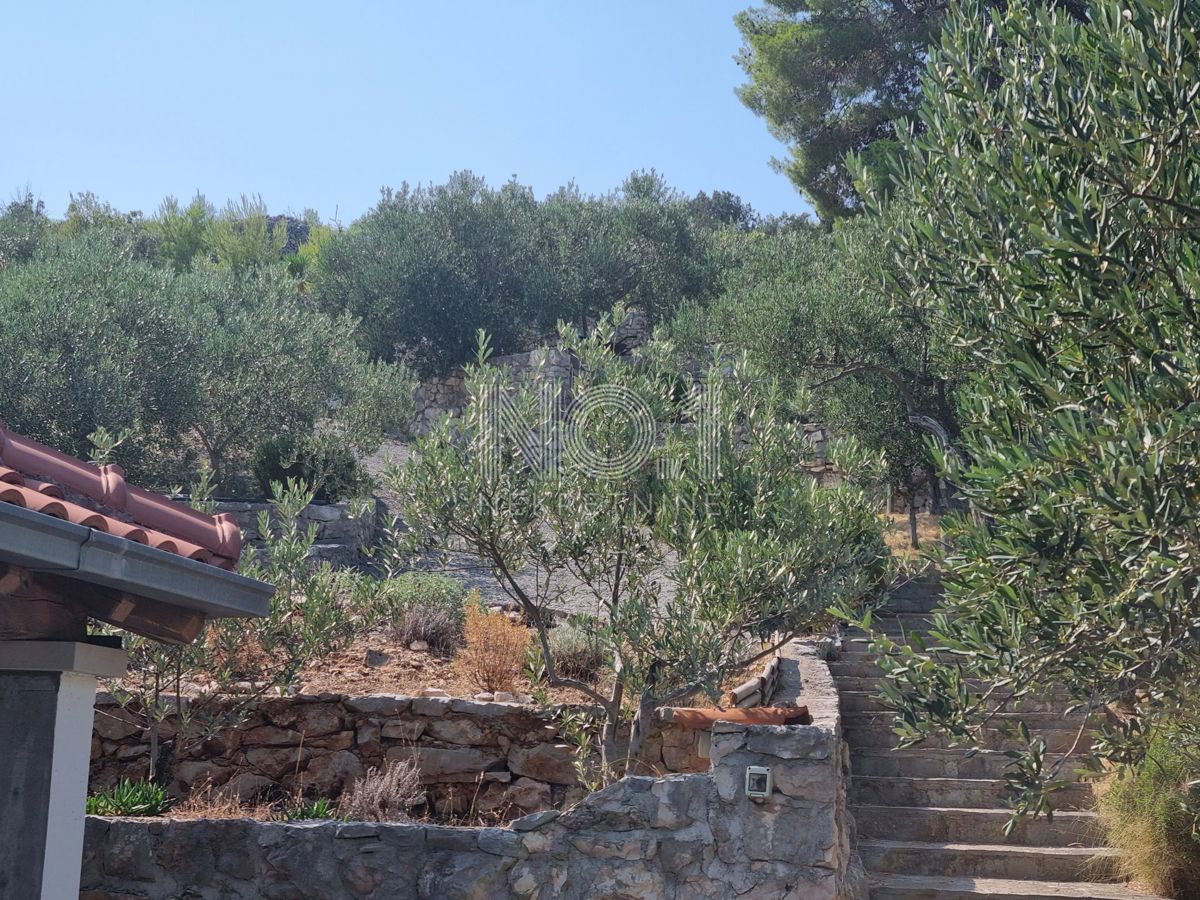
929, 819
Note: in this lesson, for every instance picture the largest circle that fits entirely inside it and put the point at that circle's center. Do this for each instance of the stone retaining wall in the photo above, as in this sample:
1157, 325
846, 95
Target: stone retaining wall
448, 394
502, 759
681, 836
340, 533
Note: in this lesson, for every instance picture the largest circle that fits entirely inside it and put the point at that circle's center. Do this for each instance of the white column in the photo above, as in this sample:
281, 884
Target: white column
47, 702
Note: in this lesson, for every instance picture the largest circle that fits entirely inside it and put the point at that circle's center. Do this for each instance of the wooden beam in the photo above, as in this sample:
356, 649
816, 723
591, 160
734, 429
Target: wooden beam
149, 618
139, 615
33, 612
39, 606
13, 579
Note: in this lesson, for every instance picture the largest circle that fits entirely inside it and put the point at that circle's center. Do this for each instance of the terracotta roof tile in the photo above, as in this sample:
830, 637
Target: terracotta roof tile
41, 479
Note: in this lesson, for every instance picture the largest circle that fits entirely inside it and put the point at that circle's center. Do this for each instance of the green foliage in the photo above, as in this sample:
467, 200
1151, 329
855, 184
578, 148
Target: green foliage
316, 610
834, 77
757, 550
307, 810
91, 338
421, 606
428, 267
242, 237
810, 307
23, 224
205, 362
578, 648
1051, 228
183, 232
1152, 811
129, 798
318, 460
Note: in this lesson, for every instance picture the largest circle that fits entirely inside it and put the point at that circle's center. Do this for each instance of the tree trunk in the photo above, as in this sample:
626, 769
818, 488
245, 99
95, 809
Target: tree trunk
935, 491
913, 540
641, 725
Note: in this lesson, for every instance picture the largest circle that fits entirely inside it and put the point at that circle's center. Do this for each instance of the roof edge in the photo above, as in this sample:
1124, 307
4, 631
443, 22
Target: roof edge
55, 546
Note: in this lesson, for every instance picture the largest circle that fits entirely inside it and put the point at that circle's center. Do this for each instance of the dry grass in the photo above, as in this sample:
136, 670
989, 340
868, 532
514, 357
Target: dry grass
496, 649
1145, 814
208, 802
385, 796
895, 533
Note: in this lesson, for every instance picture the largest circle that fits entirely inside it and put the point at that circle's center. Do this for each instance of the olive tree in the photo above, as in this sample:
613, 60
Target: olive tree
1055, 234
812, 308
682, 513
203, 365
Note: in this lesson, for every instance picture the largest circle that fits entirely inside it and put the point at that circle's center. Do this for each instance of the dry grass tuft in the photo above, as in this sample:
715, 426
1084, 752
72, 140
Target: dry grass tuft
496, 649
1148, 813
385, 796
208, 802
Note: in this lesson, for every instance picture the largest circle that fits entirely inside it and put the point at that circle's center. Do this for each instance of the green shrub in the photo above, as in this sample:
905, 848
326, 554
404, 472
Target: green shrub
129, 798
1151, 813
578, 648
329, 466
427, 607
304, 810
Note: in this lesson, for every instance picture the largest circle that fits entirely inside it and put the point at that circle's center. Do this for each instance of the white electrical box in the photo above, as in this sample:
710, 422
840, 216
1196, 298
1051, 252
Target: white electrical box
758, 781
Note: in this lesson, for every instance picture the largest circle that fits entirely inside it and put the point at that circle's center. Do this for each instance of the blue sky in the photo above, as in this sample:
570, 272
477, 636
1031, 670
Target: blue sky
320, 104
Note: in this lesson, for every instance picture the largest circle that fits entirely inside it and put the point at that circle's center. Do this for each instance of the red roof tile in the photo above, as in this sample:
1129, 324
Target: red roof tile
41, 479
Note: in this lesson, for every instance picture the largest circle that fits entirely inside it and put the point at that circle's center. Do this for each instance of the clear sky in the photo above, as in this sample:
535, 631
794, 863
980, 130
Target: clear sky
320, 104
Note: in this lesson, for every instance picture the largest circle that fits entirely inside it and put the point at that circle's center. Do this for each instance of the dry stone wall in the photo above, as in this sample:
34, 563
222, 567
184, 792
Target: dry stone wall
448, 394
340, 533
680, 836
501, 759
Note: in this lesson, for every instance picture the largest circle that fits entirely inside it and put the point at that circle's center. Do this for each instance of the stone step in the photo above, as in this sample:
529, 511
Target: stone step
870, 701
1094, 864
917, 597
979, 826
867, 734
930, 887
897, 623
966, 793
924, 762
1039, 722
871, 683
858, 667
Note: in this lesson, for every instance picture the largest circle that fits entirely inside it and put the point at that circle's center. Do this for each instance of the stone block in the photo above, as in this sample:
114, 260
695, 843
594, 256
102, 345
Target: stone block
116, 724
457, 731
501, 842
318, 719
456, 764
275, 762
246, 786
333, 773
544, 762
270, 736
403, 729
380, 705
791, 741
430, 707
529, 795
534, 821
